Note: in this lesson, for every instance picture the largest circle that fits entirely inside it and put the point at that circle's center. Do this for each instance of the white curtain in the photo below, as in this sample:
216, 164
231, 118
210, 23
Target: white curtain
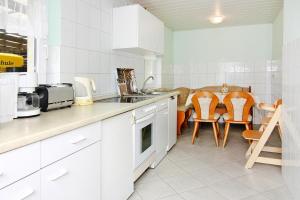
25, 17
28, 18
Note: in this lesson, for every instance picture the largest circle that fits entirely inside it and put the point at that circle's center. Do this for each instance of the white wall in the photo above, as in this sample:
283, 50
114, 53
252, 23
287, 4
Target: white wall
291, 96
80, 44
277, 32
167, 62
233, 55
277, 44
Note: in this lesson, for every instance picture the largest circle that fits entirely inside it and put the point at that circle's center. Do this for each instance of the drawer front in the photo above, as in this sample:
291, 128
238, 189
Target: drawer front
58, 147
25, 189
75, 177
18, 163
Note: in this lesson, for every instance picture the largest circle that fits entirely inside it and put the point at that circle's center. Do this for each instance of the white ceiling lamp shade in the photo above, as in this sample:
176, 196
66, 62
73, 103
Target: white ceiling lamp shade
216, 19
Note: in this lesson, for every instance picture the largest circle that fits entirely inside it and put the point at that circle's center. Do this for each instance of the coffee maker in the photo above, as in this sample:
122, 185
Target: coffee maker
28, 103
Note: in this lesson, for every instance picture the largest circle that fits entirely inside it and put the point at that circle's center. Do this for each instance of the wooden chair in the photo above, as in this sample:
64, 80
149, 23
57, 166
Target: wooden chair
270, 109
238, 105
221, 108
184, 111
205, 104
260, 139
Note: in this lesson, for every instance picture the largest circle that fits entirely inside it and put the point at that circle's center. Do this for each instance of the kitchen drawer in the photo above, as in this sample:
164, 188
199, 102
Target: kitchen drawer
162, 104
18, 163
58, 147
27, 188
76, 177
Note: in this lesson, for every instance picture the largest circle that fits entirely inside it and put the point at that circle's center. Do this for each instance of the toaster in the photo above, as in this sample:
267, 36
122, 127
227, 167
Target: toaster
55, 96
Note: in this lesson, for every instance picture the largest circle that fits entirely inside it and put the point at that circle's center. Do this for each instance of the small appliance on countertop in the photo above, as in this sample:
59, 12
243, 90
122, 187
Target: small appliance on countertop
84, 88
55, 96
28, 102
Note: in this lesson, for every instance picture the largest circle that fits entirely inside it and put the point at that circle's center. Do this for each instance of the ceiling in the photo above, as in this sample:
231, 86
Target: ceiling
195, 14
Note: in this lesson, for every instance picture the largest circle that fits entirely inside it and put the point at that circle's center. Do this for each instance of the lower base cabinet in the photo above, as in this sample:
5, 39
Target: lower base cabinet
117, 157
27, 188
76, 177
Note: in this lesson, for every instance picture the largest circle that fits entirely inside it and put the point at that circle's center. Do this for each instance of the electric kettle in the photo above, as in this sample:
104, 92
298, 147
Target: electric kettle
84, 87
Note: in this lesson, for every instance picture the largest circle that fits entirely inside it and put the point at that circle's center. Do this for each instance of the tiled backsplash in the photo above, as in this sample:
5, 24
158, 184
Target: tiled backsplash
85, 46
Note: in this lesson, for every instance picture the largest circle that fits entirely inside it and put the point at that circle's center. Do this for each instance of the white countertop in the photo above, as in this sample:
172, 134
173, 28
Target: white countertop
21, 132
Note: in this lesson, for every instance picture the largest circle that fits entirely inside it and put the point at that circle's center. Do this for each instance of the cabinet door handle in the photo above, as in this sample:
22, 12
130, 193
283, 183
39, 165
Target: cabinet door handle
78, 140
144, 119
26, 194
149, 109
60, 174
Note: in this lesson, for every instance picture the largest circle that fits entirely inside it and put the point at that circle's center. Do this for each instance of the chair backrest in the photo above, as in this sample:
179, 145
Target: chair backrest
205, 104
238, 105
183, 95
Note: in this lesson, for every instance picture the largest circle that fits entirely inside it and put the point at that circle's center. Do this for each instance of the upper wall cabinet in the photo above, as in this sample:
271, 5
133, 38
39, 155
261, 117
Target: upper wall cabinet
137, 31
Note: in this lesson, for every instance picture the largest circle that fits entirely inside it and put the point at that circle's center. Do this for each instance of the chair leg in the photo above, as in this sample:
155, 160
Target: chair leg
248, 128
279, 131
227, 126
250, 149
180, 120
188, 114
215, 133
218, 129
197, 134
196, 126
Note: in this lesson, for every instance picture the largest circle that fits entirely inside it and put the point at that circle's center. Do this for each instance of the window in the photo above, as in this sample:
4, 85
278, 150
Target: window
16, 44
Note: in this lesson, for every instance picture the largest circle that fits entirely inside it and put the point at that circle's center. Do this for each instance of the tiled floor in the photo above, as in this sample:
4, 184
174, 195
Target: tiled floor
204, 172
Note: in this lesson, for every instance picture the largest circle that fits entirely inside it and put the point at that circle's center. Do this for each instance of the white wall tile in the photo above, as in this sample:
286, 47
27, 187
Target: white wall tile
67, 60
86, 46
106, 22
94, 62
82, 61
83, 12
82, 36
68, 33
69, 10
95, 18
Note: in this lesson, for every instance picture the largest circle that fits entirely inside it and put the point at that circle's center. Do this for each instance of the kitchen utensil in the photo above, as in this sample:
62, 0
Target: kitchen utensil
28, 104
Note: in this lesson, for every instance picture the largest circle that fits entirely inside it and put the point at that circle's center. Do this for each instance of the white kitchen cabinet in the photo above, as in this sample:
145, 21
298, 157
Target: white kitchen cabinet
75, 177
19, 163
172, 123
162, 131
136, 30
27, 188
117, 157
71, 142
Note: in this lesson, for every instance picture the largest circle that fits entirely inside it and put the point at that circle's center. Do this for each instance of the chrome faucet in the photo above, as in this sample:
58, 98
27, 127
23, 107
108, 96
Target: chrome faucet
146, 80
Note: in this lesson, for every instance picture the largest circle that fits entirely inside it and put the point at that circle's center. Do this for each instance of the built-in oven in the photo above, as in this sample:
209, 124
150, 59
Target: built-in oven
143, 133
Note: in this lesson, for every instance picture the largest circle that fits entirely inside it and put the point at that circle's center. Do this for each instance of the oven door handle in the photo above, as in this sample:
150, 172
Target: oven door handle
144, 119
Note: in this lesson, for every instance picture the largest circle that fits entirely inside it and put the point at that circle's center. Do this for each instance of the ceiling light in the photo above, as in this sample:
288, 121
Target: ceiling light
216, 19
